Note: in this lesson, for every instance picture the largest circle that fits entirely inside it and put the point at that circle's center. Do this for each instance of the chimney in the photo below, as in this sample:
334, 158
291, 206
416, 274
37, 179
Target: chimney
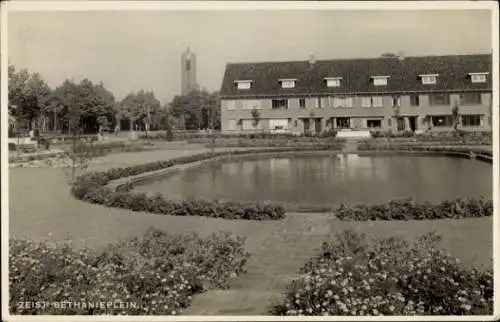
401, 55
312, 60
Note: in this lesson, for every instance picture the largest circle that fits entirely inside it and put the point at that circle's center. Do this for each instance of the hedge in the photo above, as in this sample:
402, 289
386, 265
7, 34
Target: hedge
371, 145
407, 209
156, 274
356, 276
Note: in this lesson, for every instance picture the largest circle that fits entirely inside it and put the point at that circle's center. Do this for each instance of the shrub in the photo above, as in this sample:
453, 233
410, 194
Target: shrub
353, 276
158, 273
90, 187
12, 146
407, 209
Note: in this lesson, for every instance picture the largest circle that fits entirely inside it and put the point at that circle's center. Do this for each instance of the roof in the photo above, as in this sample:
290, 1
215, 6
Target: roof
404, 75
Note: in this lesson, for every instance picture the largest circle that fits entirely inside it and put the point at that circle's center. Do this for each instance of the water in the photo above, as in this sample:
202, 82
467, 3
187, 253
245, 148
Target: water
330, 180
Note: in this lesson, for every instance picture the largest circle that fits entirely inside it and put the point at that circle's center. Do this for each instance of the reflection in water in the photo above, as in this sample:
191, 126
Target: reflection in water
321, 180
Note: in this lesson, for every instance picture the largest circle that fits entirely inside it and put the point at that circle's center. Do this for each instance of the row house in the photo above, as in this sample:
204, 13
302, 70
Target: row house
400, 93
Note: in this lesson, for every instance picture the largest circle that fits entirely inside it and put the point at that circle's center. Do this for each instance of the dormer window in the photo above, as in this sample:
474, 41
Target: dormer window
243, 84
478, 77
287, 83
380, 80
333, 81
429, 78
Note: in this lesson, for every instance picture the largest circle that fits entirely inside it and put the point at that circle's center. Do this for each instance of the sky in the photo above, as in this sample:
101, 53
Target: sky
133, 50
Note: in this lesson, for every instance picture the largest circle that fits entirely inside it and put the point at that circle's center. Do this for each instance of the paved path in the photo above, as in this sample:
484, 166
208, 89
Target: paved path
41, 207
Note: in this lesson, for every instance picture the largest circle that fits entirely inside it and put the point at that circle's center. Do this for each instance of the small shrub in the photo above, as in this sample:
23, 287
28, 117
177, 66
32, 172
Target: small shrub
159, 272
12, 146
353, 276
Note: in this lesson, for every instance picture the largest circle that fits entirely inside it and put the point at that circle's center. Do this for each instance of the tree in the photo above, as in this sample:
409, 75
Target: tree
93, 102
255, 117
455, 114
29, 95
198, 109
141, 108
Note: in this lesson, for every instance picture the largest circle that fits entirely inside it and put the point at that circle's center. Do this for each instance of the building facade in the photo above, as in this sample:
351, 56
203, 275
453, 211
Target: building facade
188, 72
397, 93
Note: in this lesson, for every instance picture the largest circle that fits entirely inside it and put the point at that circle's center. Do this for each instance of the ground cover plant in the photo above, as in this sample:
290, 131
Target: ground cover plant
356, 276
157, 273
408, 209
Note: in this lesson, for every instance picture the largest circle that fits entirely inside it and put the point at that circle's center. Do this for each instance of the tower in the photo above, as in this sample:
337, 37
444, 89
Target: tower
188, 72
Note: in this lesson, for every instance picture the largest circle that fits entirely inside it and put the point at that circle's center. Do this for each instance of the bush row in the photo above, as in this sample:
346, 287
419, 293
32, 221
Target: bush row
91, 187
355, 276
332, 144
258, 135
430, 136
373, 145
407, 209
157, 273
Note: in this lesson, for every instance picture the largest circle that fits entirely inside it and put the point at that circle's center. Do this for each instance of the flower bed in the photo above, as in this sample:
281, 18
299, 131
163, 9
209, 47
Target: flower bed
157, 273
353, 276
96, 149
407, 209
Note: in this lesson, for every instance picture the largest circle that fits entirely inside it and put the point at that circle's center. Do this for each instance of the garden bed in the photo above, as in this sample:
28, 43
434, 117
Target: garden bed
356, 276
156, 274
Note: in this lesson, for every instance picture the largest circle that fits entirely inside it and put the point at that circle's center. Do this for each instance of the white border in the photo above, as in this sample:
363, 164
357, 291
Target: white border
226, 6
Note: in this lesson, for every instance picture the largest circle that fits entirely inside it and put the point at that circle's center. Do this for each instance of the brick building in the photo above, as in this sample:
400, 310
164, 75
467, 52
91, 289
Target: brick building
398, 93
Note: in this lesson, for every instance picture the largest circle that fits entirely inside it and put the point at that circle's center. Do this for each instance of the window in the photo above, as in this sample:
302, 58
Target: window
414, 100
302, 103
396, 101
342, 102
188, 64
250, 125
366, 101
442, 121
278, 124
470, 98
374, 123
439, 99
319, 102
471, 120
243, 84
343, 122
280, 104
231, 105
478, 77
231, 125
287, 83
429, 79
380, 80
251, 104
333, 81
377, 101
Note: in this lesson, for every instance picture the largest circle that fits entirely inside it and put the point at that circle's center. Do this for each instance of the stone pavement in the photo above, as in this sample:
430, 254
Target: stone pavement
41, 208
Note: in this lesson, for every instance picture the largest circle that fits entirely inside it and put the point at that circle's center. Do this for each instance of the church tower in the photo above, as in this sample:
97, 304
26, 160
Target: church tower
188, 72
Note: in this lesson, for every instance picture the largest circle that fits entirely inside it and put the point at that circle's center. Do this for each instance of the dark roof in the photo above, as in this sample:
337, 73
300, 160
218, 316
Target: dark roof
404, 75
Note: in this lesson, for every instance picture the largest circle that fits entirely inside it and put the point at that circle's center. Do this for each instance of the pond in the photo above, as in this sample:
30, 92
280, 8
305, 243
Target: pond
326, 180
